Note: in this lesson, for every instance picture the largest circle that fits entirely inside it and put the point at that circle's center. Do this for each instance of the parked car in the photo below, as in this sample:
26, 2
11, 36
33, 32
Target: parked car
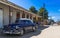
20, 27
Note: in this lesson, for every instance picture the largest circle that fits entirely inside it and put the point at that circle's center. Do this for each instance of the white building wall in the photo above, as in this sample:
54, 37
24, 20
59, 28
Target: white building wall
5, 14
13, 16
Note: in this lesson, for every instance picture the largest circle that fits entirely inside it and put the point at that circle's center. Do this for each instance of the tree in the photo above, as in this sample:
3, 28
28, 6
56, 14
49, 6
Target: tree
33, 9
43, 12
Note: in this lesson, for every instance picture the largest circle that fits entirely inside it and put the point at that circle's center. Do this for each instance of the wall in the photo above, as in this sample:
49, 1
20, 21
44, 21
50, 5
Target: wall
13, 16
5, 14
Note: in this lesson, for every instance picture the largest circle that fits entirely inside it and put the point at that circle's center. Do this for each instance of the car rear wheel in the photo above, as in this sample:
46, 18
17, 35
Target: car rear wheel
21, 32
36, 27
33, 28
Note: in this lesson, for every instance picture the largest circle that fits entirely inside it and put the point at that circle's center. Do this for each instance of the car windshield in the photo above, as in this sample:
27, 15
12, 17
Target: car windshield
25, 21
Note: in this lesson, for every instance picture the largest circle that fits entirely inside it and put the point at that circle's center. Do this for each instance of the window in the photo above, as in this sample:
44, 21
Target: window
27, 15
18, 15
23, 15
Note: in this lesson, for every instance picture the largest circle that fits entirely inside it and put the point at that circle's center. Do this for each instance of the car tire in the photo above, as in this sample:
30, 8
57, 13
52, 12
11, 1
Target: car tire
22, 32
33, 29
36, 27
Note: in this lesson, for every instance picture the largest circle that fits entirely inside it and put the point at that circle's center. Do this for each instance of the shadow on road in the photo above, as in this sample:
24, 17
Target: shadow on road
27, 35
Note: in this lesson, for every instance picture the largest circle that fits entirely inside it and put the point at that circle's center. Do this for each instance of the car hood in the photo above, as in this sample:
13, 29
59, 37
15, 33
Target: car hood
22, 24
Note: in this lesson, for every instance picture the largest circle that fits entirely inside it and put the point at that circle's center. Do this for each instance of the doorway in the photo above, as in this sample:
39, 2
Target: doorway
18, 15
1, 18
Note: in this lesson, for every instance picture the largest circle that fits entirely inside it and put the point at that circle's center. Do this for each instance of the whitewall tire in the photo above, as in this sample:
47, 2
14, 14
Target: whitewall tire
21, 32
33, 28
36, 27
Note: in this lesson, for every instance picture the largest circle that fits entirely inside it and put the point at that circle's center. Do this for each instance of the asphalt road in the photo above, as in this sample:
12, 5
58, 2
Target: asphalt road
27, 35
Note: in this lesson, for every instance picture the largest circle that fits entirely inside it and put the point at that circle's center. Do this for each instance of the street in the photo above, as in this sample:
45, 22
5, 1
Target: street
42, 32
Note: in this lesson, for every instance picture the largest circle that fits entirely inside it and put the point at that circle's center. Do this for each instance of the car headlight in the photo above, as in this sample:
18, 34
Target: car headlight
17, 27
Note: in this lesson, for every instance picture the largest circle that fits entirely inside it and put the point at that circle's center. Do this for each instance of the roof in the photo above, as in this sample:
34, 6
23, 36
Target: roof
16, 6
26, 19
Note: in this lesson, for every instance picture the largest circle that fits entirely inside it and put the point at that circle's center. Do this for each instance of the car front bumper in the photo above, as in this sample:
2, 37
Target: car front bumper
11, 32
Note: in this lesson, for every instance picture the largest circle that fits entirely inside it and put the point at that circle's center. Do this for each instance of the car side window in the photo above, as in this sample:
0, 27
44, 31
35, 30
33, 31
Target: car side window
25, 21
17, 21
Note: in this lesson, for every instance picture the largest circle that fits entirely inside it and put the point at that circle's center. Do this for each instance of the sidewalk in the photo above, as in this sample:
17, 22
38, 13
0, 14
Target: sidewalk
51, 32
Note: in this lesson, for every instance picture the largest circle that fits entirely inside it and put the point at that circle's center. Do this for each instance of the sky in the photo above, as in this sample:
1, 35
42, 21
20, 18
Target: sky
53, 6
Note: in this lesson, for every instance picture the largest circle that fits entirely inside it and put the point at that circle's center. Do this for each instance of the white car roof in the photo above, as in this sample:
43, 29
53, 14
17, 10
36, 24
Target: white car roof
26, 19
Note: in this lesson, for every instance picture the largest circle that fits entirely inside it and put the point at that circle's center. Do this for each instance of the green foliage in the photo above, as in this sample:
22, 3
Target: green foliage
43, 12
33, 9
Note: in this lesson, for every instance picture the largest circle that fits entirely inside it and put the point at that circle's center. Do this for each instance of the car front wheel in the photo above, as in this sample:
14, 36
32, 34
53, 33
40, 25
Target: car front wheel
21, 32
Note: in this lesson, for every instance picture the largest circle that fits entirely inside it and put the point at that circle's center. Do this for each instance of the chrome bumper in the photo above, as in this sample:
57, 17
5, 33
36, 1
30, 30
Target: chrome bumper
7, 32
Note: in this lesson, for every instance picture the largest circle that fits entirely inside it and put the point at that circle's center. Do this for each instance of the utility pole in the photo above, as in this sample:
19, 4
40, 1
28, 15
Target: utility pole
43, 11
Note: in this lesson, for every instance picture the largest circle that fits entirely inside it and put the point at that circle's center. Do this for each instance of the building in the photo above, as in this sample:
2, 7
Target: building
9, 12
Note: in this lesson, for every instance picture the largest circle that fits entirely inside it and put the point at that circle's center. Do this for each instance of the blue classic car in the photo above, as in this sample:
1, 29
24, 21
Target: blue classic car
20, 27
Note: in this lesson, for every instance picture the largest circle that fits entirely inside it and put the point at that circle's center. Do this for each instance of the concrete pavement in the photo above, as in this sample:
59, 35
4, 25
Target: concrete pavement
51, 32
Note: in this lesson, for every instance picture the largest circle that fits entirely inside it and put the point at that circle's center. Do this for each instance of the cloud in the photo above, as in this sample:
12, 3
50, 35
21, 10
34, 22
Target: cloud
52, 17
59, 10
49, 18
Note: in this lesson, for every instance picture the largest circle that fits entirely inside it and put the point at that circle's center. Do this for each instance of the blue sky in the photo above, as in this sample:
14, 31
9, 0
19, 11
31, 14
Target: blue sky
53, 6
